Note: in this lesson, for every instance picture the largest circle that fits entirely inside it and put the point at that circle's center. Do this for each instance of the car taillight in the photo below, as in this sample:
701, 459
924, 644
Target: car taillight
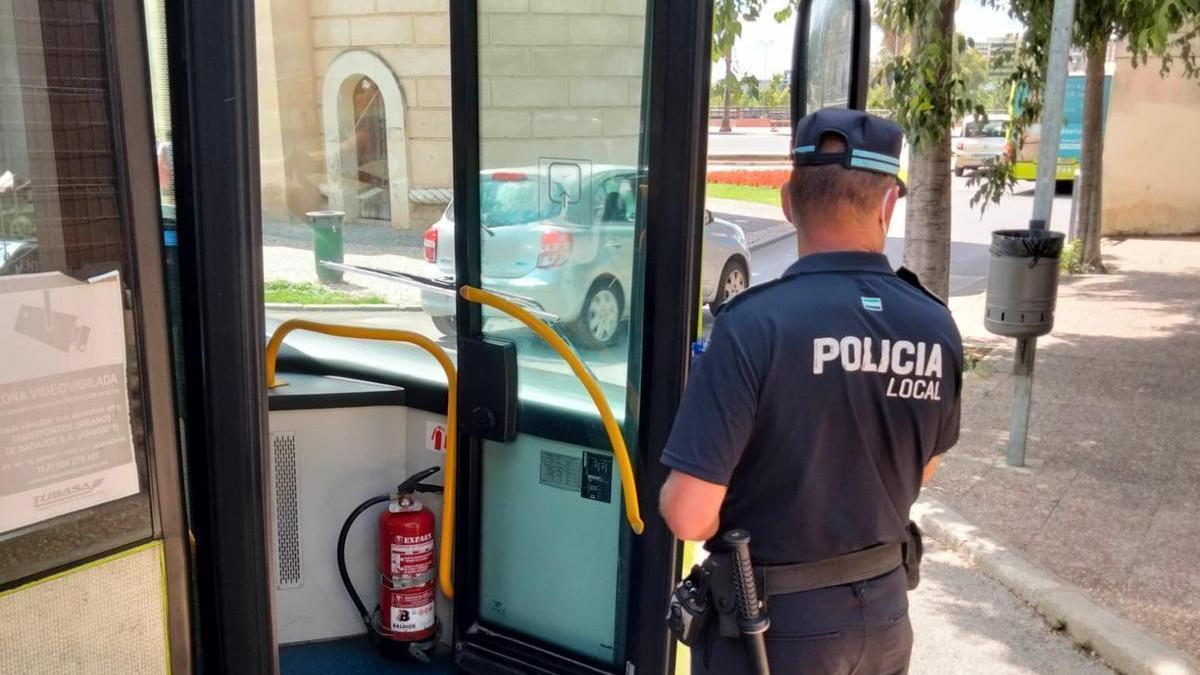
431, 239
1010, 151
555, 249
960, 145
510, 176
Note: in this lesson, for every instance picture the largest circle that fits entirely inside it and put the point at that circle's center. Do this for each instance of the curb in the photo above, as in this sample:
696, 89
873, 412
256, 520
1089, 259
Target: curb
331, 308
1123, 645
772, 239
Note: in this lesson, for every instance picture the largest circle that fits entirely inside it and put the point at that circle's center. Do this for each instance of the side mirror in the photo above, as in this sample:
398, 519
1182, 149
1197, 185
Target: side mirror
830, 56
708, 217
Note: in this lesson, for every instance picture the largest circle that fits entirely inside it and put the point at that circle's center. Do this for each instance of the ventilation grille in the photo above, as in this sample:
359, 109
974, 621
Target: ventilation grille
287, 511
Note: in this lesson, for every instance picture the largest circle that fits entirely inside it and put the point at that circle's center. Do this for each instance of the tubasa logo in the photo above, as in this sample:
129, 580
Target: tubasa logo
63, 494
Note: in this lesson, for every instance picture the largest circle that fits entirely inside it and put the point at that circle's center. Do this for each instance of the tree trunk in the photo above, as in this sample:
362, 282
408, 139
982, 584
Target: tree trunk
1091, 159
927, 215
725, 128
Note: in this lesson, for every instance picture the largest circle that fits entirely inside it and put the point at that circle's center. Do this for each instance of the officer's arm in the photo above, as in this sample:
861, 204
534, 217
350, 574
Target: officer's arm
691, 506
930, 469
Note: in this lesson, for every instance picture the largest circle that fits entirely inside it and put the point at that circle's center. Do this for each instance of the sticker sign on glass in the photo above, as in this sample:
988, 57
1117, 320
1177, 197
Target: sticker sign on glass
597, 477
65, 439
559, 471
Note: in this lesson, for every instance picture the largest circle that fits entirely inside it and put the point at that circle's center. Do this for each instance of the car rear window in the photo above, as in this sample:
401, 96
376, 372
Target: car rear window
992, 129
515, 202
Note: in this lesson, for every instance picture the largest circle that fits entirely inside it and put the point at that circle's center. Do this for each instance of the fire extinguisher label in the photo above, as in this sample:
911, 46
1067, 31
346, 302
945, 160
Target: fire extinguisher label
412, 556
413, 619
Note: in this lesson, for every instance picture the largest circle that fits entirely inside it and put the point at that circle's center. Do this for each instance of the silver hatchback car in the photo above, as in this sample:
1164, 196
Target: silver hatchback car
573, 258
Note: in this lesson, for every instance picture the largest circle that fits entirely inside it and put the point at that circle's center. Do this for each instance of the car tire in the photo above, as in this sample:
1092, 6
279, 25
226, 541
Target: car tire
1063, 187
959, 171
599, 322
735, 278
446, 325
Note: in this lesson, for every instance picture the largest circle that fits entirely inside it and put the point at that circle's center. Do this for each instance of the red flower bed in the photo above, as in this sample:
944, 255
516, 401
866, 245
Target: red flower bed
770, 178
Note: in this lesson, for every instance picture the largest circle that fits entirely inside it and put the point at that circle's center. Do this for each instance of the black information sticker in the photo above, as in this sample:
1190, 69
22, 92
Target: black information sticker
560, 471
597, 477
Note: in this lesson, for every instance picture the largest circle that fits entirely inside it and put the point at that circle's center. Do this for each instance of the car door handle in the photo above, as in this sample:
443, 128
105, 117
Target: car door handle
614, 244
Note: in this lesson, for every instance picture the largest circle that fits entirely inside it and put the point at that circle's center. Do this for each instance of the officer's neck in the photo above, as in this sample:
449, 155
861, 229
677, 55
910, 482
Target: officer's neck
831, 238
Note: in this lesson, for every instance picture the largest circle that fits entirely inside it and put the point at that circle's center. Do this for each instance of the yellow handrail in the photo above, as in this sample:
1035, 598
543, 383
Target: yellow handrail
628, 486
445, 560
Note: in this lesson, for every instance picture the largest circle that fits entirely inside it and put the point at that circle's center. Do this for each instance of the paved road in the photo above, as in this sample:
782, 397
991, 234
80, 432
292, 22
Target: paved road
749, 142
970, 236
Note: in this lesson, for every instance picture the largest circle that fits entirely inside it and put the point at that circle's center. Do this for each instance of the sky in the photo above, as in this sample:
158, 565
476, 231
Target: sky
765, 47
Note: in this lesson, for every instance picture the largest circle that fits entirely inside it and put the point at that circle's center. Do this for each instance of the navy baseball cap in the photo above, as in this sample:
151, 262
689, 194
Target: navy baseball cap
872, 143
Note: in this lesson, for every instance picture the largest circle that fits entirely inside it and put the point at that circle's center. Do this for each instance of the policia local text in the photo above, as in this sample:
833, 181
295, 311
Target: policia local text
917, 365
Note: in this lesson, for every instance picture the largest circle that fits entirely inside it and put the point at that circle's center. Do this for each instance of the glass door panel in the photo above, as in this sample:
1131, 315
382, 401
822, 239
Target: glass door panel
561, 195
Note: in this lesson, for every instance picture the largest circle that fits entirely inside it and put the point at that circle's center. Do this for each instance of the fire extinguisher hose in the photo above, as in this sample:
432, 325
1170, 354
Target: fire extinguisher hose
446, 559
628, 484
341, 555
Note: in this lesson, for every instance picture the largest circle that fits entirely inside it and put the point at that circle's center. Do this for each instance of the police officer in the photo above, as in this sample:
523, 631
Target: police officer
821, 405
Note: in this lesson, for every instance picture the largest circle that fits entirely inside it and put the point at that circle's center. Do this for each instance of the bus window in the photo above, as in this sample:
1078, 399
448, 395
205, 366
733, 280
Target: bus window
355, 167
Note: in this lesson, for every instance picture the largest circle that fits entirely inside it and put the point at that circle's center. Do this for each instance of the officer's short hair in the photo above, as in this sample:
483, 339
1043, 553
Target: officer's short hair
825, 185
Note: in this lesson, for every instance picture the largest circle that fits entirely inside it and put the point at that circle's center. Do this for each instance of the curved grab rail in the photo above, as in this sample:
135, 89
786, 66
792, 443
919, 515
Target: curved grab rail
628, 485
445, 560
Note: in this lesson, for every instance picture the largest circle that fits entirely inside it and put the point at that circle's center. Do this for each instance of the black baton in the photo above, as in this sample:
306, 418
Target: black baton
752, 621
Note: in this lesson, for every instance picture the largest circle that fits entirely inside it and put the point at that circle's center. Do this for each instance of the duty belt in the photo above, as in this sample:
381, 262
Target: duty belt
844, 569
799, 577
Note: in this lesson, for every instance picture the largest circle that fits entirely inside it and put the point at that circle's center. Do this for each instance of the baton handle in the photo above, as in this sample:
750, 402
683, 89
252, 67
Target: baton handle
752, 621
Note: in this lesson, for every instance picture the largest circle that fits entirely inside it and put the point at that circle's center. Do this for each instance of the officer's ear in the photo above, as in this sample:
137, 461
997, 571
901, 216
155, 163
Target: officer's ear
785, 199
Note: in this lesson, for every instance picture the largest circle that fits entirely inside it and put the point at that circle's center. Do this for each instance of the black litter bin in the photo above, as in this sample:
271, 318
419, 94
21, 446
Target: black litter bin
1022, 282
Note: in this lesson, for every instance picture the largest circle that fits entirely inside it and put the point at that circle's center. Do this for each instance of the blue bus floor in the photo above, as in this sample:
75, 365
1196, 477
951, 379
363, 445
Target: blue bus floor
353, 656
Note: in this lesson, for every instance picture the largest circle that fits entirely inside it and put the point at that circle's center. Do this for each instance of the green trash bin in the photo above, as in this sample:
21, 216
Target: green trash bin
327, 243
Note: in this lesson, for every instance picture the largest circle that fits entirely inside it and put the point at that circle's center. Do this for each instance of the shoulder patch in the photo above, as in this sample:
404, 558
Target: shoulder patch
753, 290
910, 277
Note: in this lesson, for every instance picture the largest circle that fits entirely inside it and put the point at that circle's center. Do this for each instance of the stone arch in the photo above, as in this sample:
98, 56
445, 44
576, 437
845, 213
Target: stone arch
341, 160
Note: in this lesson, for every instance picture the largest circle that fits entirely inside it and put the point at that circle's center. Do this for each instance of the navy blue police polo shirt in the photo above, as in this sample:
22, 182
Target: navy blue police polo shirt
818, 403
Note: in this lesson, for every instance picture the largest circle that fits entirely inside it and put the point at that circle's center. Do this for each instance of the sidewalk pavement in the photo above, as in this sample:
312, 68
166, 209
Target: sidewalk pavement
1110, 497
965, 622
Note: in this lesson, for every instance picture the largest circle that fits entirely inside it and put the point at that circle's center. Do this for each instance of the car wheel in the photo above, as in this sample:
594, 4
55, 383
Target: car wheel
959, 171
599, 321
735, 278
446, 325
1063, 187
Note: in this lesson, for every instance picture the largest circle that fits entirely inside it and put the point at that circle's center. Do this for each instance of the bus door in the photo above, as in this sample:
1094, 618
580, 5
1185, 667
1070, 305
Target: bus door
579, 153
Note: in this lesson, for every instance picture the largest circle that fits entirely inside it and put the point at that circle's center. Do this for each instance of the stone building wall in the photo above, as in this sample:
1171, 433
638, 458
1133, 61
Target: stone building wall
558, 79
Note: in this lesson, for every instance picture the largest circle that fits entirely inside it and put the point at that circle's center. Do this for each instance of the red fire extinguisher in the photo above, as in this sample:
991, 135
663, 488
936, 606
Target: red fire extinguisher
405, 617
406, 567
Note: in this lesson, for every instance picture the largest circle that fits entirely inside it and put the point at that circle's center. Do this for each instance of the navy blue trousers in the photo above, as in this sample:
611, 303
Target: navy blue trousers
859, 629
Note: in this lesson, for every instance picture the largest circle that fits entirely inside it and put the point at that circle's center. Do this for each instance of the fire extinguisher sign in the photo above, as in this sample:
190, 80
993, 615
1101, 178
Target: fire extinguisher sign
435, 437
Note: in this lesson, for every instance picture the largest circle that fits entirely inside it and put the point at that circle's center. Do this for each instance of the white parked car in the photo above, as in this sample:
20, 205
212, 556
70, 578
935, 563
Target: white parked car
981, 141
569, 249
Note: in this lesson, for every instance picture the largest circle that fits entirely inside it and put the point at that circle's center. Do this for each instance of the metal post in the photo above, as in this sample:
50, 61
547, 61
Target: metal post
1043, 200
1052, 111
1022, 399
1073, 220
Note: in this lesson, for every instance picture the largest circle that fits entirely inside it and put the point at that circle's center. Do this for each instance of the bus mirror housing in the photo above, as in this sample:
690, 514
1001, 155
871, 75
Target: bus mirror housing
830, 56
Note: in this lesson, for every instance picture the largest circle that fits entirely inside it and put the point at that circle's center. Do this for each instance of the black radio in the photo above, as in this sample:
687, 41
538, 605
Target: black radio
689, 610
